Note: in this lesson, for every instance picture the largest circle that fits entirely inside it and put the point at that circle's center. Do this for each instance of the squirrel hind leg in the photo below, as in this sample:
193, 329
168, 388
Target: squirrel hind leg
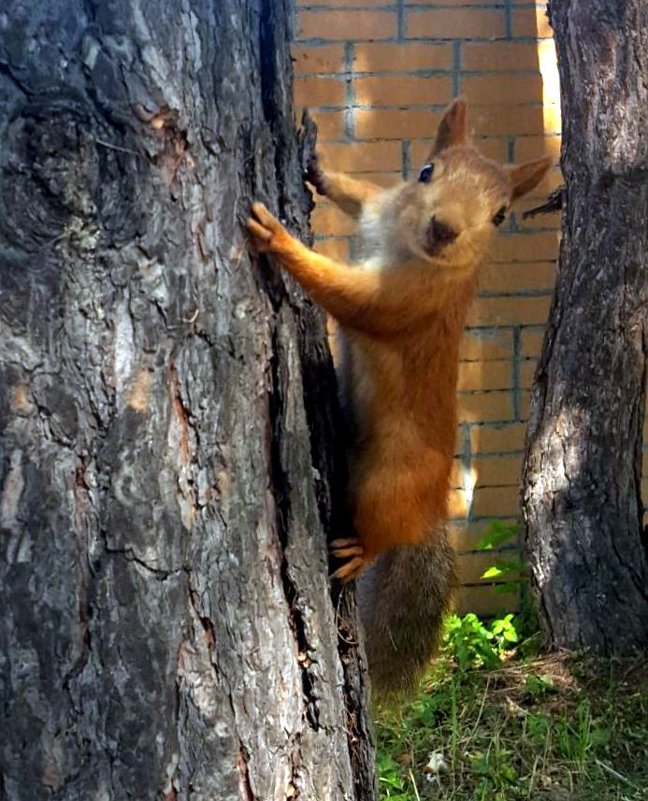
352, 552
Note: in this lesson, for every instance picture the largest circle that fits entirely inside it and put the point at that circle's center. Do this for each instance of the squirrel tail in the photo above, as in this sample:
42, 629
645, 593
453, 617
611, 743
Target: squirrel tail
402, 599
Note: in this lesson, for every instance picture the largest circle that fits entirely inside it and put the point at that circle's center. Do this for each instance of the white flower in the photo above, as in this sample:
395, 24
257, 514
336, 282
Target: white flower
435, 764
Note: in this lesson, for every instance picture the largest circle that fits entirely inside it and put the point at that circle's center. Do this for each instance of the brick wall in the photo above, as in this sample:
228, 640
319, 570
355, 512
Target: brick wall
376, 75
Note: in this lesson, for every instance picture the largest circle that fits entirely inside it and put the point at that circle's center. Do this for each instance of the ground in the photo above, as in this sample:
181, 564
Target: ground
556, 728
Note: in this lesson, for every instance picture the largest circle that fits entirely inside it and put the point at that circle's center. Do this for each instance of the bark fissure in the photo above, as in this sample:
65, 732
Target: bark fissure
281, 491
582, 491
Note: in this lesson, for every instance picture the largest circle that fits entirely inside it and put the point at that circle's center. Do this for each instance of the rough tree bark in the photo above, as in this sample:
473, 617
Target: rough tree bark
582, 482
167, 420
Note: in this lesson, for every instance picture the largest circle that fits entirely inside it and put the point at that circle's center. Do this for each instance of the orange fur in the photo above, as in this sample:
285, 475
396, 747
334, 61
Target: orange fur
403, 316
348, 193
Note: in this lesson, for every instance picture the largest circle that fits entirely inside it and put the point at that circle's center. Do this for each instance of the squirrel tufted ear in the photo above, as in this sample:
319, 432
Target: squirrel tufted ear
453, 128
525, 177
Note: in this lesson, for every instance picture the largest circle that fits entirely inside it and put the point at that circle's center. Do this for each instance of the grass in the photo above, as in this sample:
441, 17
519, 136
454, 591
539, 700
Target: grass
557, 728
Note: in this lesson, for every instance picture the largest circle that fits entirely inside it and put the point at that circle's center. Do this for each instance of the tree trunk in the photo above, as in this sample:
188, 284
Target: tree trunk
582, 480
167, 420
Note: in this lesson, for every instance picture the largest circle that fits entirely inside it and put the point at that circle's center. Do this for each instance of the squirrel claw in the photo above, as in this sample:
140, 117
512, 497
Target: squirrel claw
352, 550
350, 570
350, 546
266, 230
315, 176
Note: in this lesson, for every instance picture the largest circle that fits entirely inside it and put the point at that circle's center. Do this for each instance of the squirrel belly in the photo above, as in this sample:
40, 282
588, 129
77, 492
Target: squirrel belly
400, 443
402, 316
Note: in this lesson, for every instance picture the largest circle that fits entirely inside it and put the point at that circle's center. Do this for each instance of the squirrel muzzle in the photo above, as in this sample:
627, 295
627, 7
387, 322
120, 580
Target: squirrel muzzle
438, 235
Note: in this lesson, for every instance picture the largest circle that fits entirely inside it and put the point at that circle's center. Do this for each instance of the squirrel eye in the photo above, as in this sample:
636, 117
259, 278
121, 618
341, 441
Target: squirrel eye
426, 174
498, 219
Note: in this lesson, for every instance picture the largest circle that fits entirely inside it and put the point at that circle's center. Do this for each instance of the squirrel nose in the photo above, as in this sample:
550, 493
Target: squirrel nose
440, 232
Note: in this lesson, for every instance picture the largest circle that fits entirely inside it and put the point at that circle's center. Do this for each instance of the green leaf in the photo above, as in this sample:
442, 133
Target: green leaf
492, 572
498, 534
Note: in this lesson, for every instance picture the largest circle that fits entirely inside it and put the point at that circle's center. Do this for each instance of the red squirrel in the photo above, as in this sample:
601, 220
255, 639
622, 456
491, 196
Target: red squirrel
401, 313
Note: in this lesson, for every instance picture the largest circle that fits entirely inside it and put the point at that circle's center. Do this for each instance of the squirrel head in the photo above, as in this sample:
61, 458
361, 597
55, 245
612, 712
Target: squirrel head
451, 211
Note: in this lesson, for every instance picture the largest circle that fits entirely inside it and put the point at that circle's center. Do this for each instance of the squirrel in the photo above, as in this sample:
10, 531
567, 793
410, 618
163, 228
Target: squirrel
401, 314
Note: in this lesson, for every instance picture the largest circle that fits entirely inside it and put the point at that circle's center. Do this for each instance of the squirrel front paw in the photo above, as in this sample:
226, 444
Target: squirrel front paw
315, 175
351, 550
268, 233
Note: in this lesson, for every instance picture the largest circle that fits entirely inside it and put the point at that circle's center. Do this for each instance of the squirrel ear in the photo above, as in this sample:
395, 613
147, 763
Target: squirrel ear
525, 177
453, 128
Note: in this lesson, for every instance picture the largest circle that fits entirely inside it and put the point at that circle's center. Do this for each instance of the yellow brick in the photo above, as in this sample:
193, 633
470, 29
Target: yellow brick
508, 438
552, 119
457, 503
484, 376
328, 220
496, 502
503, 56
460, 535
401, 57
518, 277
527, 371
552, 180
531, 22
319, 92
508, 120
402, 90
485, 407
510, 311
534, 147
330, 124
526, 248
457, 475
337, 249
497, 471
488, 90
392, 124
347, 25
484, 601
465, 537
420, 151
486, 344
492, 148
362, 156
459, 442
525, 400
446, 23
531, 340
315, 59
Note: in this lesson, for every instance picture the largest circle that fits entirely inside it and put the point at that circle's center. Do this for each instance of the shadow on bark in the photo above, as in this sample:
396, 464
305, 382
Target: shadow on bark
168, 461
